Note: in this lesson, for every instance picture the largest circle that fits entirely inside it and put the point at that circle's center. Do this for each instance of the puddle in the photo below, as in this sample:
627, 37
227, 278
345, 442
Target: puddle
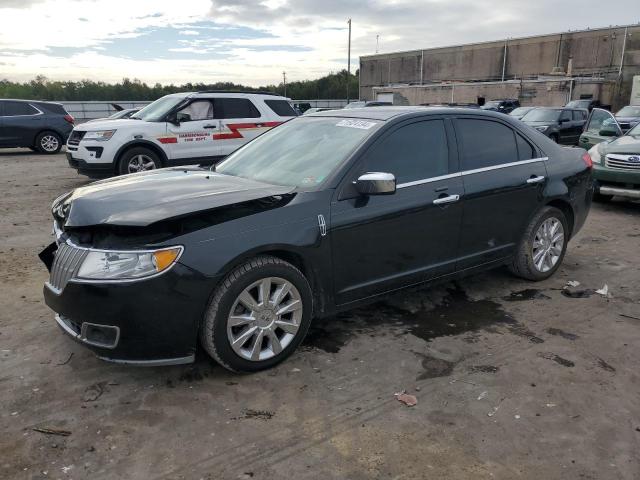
527, 294
577, 293
433, 367
456, 314
562, 333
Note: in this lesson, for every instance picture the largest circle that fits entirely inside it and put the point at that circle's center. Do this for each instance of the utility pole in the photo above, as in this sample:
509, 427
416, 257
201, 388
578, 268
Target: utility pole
284, 81
377, 43
349, 62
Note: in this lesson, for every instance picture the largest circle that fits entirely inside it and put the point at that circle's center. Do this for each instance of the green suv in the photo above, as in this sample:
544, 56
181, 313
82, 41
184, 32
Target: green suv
616, 156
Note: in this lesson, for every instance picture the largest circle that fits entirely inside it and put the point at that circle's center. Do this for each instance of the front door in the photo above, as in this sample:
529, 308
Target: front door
192, 138
240, 121
503, 177
381, 243
601, 126
21, 122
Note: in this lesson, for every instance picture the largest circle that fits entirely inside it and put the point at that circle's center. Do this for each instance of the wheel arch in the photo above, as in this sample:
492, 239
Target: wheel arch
566, 208
46, 130
139, 143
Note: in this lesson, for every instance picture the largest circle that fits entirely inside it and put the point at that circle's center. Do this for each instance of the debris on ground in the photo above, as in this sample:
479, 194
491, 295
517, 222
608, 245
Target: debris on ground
52, 431
408, 400
494, 410
66, 361
604, 291
573, 283
629, 316
94, 392
577, 293
483, 395
258, 414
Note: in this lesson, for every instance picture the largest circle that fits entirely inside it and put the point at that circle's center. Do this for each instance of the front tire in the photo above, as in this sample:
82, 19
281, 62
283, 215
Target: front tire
48, 143
258, 315
543, 245
138, 159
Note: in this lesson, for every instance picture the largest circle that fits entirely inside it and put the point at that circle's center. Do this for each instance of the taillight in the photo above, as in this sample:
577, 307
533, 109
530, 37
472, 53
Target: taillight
69, 119
586, 158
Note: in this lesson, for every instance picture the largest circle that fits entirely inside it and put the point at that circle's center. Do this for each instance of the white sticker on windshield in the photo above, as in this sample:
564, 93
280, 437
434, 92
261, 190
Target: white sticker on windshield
362, 124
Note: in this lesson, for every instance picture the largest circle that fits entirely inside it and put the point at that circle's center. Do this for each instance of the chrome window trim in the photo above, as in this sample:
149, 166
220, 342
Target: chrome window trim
471, 172
40, 112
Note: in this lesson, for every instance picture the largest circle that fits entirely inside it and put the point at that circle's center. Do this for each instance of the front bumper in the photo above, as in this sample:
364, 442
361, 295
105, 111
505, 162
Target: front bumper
610, 181
148, 322
92, 158
92, 170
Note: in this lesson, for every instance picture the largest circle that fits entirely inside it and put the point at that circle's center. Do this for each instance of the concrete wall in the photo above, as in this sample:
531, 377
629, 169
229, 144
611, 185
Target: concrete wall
585, 53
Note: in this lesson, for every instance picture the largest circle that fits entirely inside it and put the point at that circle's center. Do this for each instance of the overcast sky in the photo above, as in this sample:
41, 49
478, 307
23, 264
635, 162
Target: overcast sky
253, 41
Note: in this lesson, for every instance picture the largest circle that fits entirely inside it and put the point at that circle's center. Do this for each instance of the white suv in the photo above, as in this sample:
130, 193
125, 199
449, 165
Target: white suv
179, 129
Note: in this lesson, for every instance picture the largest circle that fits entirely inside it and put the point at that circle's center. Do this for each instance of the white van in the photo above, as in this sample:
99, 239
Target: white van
180, 129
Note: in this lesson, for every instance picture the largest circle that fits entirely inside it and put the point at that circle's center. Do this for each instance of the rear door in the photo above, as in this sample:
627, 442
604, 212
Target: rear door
22, 122
192, 139
503, 178
381, 243
3, 133
240, 121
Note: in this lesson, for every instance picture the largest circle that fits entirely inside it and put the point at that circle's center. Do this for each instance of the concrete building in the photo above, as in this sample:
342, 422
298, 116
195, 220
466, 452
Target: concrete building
541, 70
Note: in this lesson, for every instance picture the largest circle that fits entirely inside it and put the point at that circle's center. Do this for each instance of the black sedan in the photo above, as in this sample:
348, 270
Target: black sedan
562, 125
320, 214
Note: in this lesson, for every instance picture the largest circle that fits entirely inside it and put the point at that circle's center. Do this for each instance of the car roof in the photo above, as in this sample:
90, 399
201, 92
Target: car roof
227, 93
22, 100
388, 113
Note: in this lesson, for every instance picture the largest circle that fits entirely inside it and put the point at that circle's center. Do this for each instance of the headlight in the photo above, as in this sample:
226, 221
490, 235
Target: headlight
99, 135
132, 265
542, 128
594, 153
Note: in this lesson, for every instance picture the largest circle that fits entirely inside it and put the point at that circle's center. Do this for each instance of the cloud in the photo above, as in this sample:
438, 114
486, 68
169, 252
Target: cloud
189, 32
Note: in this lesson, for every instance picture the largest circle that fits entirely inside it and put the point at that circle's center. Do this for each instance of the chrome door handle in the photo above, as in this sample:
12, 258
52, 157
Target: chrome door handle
447, 199
532, 180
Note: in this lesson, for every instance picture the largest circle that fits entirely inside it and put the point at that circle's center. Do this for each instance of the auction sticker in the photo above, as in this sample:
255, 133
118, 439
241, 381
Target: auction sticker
361, 124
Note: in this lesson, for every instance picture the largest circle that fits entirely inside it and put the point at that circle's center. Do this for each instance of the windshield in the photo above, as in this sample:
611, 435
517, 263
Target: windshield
492, 104
635, 131
520, 111
629, 111
542, 115
156, 111
356, 105
300, 153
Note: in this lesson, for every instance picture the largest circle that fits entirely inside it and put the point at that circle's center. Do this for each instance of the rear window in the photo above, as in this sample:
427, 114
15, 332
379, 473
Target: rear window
485, 143
234, 108
281, 108
18, 108
52, 107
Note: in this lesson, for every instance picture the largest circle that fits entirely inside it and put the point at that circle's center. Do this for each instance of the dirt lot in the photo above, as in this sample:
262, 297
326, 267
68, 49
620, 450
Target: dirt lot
513, 380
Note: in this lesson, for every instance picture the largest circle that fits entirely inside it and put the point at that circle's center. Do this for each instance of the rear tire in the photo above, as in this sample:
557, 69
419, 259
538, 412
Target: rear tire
244, 332
542, 247
138, 159
48, 143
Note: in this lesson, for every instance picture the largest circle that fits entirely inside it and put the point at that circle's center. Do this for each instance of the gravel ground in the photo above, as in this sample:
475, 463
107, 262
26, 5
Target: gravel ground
512, 379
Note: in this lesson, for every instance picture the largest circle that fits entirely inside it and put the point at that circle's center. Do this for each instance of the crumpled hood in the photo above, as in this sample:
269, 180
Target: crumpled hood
145, 198
625, 144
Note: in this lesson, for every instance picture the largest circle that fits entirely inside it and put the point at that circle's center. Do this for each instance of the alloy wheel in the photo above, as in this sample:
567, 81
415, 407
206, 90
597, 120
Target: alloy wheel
547, 244
264, 319
140, 163
49, 143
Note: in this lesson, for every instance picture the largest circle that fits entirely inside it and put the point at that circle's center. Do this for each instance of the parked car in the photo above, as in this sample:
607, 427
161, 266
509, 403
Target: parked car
177, 129
40, 126
520, 112
587, 103
616, 156
318, 215
361, 104
628, 117
562, 125
502, 105
120, 114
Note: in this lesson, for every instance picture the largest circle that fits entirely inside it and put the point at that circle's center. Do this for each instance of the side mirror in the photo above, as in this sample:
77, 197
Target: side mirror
608, 132
183, 117
376, 183
171, 118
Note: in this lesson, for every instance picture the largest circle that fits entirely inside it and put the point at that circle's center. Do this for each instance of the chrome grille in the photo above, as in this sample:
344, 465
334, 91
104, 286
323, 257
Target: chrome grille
625, 162
65, 265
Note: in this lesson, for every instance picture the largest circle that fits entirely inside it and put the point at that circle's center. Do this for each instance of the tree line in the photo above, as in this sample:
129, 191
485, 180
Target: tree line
332, 86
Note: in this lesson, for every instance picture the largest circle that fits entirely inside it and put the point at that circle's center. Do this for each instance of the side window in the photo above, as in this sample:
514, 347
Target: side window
198, 110
282, 108
485, 143
525, 150
18, 108
566, 116
235, 108
577, 115
413, 152
601, 120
